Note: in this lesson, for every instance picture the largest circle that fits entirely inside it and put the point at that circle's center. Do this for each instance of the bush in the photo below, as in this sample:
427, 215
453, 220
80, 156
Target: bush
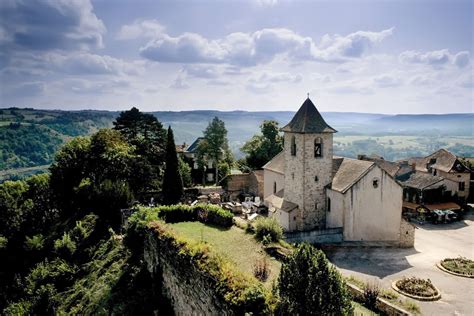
65, 247
261, 269
309, 285
34, 243
205, 213
3, 242
268, 228
459, 265
371, 293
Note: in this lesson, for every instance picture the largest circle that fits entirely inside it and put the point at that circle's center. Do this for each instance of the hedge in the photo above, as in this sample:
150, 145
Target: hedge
205, 213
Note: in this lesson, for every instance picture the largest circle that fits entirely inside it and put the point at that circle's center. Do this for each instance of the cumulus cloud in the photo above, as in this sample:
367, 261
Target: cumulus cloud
435, 58
249, 49
461, 59
180, 83
49, 24
265, 82
387, 80
141, 28
83, 63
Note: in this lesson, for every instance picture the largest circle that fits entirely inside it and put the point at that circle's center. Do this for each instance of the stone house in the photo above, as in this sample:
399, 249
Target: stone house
306, 188
239, 185
198, 175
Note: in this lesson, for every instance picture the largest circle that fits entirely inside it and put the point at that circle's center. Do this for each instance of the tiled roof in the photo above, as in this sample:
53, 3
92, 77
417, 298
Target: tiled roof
349, 172
308, 120
277, 164
280, 203
422, 181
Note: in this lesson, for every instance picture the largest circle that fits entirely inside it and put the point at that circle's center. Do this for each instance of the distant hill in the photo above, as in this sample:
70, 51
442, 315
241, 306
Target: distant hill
30, 137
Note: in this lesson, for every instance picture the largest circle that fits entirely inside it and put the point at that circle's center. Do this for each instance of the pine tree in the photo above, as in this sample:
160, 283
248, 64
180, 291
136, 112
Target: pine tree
308, 285
172, 181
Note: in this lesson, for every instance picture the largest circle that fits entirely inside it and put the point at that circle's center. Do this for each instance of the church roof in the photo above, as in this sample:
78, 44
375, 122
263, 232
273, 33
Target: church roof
278, 201
350, 171
308, 120
277, 164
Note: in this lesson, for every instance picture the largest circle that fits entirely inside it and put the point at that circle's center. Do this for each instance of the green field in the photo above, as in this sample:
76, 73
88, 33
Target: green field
233, 243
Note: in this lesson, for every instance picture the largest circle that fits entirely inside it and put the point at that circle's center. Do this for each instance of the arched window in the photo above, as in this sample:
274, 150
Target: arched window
274, 187
293, 146
318, 147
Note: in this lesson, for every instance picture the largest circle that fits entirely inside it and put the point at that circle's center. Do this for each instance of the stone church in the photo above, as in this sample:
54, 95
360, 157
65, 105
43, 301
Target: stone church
307, 188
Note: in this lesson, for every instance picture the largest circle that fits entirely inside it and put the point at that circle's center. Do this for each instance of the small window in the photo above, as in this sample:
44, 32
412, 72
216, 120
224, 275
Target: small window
318, 147
316, 179
292, 176
462, 186
293, 146
274, 187
435, 172
375, 183
329, 205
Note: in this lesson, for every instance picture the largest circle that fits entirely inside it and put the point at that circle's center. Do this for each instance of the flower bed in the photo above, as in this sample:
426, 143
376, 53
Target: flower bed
416, 288
458, 266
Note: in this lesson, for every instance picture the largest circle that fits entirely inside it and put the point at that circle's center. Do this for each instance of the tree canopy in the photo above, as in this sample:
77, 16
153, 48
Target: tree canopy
308, 285
215, 146
172, 181
261, 148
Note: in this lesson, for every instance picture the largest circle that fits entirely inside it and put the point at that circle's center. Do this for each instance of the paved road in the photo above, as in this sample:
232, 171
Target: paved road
432, 244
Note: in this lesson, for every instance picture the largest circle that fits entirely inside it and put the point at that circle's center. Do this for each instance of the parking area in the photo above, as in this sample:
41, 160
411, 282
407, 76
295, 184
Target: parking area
432, 244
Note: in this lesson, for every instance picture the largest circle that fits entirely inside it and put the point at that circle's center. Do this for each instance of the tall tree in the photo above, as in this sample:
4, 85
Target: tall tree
172, 181
260, 149
143, 131
308, 285
215, 145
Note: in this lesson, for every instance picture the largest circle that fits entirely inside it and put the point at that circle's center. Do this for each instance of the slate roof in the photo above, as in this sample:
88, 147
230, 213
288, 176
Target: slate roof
422, 181
192, 148
308, 120
349, 172
280, 203
277, 164
443, 159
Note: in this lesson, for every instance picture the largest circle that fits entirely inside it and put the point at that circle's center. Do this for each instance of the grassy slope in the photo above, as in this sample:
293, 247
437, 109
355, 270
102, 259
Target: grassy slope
234, 243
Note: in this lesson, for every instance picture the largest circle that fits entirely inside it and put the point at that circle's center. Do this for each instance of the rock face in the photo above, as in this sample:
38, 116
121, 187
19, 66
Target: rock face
189, 290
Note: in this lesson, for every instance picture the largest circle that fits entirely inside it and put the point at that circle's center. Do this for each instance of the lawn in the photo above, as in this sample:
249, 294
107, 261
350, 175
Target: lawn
234, 243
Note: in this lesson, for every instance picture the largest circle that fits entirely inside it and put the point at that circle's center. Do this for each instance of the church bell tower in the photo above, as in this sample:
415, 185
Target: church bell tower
308, 154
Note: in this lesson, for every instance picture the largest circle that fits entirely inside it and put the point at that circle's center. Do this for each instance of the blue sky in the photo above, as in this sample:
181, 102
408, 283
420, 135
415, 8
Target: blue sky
351, 56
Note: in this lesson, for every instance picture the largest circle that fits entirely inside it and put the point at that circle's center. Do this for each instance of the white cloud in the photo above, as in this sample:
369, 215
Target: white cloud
387, 80
260, 47
91, 64
50, 24
435, 58
461, 59
141, 29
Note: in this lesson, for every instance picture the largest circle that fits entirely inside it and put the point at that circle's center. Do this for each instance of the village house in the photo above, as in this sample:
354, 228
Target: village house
198, 175
306, 188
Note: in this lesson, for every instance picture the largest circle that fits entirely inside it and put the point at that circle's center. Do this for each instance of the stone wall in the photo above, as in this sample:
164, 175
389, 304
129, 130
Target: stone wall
307, 176
243, 183
407, 234
190, 291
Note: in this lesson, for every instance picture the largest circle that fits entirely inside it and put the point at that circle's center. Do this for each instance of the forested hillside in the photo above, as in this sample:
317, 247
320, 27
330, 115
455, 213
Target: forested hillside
29, 137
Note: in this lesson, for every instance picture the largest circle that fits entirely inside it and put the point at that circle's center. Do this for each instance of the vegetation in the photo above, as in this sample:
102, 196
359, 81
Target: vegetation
268, 229
215, 147
309, 285
233, 243
459, 265
371, 294
416, 286
172, 181
244, 293
261, 148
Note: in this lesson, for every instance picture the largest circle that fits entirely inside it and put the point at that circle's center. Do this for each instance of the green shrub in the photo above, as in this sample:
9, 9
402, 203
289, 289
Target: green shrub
3, 242
84, 228
205, 213
65, 246
371, 293
309, 285
34, 243
268, 228
21, 308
